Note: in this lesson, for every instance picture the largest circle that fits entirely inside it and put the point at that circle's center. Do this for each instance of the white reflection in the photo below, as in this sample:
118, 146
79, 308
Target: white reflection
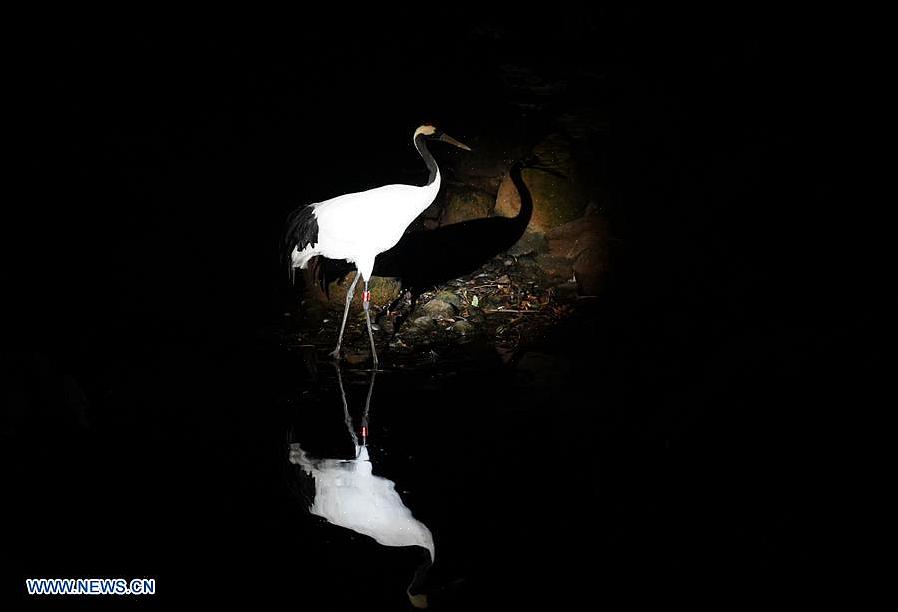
349, 495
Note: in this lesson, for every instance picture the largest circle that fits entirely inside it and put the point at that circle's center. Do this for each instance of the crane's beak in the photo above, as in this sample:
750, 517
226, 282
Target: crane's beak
452, 141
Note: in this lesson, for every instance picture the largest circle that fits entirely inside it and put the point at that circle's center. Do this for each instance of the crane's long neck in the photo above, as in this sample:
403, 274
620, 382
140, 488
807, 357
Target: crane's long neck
430, 190
421, 145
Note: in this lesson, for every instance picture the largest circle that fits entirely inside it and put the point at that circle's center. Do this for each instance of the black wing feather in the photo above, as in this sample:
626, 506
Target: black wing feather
302, 230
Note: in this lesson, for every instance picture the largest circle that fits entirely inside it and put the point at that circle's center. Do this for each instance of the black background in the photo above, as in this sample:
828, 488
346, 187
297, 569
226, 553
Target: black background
154, 168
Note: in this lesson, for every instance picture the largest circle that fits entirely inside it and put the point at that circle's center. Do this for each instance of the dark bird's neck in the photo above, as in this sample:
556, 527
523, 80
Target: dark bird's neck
526, 211
421, 145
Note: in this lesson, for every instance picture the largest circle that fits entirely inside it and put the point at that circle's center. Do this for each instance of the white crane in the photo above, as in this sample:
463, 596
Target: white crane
358, 226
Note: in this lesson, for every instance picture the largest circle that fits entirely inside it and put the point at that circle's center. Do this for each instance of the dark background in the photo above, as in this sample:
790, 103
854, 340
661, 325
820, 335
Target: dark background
153, 171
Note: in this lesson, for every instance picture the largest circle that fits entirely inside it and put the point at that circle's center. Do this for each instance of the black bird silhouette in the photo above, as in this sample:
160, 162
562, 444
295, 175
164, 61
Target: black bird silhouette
425, 259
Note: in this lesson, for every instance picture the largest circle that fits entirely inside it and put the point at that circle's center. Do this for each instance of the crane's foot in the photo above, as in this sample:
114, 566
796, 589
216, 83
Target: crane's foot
335, 354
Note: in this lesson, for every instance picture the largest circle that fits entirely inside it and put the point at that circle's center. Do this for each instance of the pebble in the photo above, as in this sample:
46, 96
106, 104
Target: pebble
449, 297
462, 327
439, 309
424, 322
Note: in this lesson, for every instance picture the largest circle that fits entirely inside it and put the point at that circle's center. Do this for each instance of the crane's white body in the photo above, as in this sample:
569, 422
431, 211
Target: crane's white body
358, 226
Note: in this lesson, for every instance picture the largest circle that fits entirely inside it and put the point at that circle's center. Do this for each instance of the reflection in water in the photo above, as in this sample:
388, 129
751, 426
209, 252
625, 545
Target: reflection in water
349, 495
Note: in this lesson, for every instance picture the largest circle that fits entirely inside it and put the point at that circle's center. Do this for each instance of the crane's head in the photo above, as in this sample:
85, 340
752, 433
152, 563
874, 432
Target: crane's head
433, 133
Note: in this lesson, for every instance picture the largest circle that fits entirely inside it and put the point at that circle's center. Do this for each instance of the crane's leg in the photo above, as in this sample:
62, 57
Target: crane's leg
366, 299
367, 407
346, 417
336, 352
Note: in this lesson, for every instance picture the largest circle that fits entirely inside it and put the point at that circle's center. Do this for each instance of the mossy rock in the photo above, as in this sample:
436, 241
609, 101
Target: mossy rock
465, 206
462, 328
438, 309
383, 291
449, 297
554, 267
530, 243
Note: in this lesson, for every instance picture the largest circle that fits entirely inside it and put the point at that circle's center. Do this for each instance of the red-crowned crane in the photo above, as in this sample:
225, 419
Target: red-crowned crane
358, 226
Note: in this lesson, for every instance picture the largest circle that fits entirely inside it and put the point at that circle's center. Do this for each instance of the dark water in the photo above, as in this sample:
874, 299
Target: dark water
569, 485
673, 441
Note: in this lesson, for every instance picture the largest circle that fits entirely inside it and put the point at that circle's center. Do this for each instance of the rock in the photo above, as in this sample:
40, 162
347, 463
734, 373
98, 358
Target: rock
466, 205
423, 323
590, 269
449, 297
556, 268
383, 291
572, 238
438, 309
531, 242
462, 327
584, 242
527, 262
558, 197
